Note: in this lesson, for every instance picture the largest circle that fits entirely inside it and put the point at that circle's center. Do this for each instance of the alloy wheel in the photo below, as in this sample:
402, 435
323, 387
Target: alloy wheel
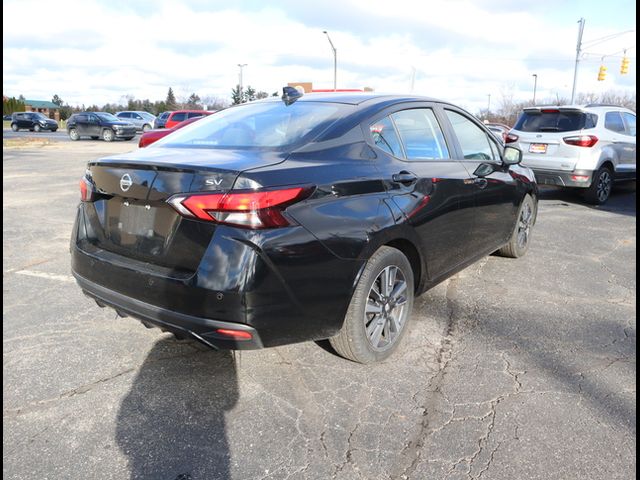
603, 188
385, 313
524, 225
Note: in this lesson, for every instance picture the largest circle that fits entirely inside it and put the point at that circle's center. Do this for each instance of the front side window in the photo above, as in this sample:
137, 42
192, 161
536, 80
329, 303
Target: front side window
420, 134
385, 137
124, 115
613, 121
107, 117
473, 140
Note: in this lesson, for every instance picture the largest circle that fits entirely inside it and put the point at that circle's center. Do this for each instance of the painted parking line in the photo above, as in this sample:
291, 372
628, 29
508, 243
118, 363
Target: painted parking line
48, 276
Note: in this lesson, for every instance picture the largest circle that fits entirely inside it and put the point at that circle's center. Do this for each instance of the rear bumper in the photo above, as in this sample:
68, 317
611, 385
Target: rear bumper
563, 179
204, 330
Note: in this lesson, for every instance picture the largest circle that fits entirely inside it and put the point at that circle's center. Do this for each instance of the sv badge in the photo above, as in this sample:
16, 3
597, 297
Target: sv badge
213, 181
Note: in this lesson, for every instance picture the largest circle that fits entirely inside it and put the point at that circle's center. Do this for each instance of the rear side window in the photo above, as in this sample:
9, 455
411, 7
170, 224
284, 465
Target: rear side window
474, 141
420, 134
613, 121
179, 117
385, 137
194, 114
630, 120
81, 118
555, 121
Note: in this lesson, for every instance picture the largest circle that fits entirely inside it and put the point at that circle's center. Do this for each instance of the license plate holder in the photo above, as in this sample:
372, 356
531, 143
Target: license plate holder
538, 148
137, 220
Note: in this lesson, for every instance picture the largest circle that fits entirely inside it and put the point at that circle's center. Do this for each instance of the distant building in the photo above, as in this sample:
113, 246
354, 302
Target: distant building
49, 109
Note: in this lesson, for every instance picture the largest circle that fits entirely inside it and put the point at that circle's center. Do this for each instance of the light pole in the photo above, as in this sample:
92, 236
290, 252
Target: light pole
241, 65
535, 84
578, 52
335, 62
488, 105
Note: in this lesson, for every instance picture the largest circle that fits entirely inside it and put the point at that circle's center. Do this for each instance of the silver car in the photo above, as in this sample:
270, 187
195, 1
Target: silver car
142, 120
588, 147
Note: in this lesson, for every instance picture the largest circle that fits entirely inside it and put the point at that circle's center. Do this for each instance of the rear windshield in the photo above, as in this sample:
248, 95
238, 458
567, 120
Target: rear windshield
261, 124
555, 121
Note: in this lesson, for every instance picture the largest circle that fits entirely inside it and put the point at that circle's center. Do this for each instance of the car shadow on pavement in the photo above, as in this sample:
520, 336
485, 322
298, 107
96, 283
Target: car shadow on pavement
171, 424
622, 200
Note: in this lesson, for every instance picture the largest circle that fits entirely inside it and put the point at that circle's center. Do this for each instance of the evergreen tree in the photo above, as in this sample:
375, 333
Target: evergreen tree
170, 102
57, 100
236, 97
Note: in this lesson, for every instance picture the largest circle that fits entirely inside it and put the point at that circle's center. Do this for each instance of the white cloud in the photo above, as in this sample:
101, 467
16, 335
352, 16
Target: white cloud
98, 52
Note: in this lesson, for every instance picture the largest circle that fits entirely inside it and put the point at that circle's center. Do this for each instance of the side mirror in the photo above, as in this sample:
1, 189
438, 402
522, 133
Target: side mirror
484, 170
512, 156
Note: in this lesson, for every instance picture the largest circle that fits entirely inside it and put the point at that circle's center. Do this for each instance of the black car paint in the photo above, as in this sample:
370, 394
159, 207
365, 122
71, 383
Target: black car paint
31, 121
88, 124
295, 283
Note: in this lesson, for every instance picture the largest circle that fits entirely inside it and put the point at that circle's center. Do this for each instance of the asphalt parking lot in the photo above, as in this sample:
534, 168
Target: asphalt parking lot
512, 369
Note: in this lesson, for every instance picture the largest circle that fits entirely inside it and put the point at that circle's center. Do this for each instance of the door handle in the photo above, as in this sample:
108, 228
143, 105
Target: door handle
480, 182
406, 178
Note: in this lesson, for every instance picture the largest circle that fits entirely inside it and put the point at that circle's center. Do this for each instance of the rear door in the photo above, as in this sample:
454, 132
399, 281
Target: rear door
496, 194
93, 126
623, 140
82, 124
426, 183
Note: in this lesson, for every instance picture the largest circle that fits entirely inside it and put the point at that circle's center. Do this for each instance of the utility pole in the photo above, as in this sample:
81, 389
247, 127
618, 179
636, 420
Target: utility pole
535, 84
488, 105
578, 53
241, 65
413, 78
335, 62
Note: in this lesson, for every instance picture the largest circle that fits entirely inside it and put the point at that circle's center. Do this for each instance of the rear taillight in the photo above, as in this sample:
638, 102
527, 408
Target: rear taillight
250, 209
86, 190
510, 138
581, 140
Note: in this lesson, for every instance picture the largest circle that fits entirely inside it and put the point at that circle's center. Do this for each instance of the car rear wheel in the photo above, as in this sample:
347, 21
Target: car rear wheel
36, 128
146, 128
14, 127
107, 135
128, 138
379, 310
73, 134
520, 238
600, 189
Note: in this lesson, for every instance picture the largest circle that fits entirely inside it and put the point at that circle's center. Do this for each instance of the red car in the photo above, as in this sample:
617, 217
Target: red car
182, 115
151, 136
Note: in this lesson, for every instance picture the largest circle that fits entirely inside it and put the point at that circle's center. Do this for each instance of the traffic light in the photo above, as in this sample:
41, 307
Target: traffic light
624, 67
602, 73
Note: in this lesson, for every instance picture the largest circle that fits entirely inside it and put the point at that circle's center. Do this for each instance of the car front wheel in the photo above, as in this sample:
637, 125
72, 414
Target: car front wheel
36, 128
14, 127
379, 310
600, 189
73, 134
521, 236
107, 135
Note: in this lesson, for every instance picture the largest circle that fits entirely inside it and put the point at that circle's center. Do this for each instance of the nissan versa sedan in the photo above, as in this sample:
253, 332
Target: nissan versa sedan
309, 217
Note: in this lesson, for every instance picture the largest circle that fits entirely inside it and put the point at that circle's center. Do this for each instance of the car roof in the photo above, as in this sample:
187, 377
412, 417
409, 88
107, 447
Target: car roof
358, 98
590, 106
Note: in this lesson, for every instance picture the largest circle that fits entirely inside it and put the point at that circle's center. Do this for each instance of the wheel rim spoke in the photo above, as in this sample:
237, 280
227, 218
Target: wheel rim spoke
373, 307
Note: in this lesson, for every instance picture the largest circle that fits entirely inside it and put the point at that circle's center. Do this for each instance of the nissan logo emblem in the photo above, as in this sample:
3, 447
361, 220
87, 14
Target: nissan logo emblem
126, 182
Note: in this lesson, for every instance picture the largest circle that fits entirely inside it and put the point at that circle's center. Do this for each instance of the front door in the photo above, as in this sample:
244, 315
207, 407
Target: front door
496, 194
427, 184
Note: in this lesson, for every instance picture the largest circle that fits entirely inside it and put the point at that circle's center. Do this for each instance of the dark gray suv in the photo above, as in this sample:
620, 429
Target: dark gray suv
33, 121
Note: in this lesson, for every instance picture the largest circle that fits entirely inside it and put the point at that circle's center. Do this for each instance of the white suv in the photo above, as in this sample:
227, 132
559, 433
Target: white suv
587, 147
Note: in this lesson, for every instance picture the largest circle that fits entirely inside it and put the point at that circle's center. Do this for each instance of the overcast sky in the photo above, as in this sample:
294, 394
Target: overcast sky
94, 52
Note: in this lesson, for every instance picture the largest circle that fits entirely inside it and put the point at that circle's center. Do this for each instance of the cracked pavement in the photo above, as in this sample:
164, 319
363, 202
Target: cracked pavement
512, 369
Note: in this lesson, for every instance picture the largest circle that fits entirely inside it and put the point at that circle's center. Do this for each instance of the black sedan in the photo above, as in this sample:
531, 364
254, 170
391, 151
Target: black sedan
311, 217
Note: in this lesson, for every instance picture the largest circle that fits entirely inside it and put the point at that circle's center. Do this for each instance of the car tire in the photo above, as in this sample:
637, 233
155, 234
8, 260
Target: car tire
95, 137
54, 130
128, 138
73, 134
521, 236
377, 317
107, 135
14, 127
36, 128
146, 127
600, 188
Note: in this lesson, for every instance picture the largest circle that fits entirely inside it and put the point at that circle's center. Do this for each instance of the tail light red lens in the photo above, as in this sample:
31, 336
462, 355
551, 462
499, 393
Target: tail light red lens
581, 140
234, 334
250, 209
510, 138
86, 190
